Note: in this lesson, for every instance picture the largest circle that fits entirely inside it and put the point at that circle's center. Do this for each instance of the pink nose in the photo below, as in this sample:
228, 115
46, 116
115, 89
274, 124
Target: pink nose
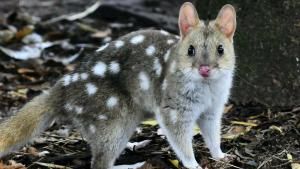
204, 70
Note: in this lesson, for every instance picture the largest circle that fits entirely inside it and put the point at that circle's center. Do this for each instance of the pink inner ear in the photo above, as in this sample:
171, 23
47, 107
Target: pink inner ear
227, 26
226, 21
185, 27
188, 18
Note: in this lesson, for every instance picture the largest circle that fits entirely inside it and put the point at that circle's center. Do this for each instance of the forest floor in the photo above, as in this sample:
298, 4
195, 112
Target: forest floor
36, 50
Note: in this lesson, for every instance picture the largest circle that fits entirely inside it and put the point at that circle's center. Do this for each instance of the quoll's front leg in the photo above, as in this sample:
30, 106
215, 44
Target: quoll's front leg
210, 126
179, 133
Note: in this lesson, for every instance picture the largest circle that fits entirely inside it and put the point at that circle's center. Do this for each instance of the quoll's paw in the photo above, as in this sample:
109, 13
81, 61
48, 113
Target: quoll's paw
197, 167
228, 157
219, 155
224, 163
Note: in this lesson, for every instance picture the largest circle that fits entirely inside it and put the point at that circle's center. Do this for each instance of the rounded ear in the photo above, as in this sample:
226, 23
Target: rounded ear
188, 18
226, 20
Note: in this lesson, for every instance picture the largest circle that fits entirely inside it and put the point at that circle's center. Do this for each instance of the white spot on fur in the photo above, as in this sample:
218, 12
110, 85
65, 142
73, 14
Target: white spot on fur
83, 76
67, 80
119, 43
164, 32
92, 128
68, 107
137, 39
102, 117
170, 41
102, 47
177, 37
144, 81
91, 88
111, 102
75, 77
100, 69
78, 109
157, 67
164, 85
173, 67
150, 50
166, 56
114, 67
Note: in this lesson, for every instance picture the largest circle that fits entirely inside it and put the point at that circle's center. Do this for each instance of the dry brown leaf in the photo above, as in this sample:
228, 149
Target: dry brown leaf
234, 132
49, 165
101, 34
6, 36
273, 127
24, 31
12, 165
244, 123
16, 94
25, 70
227, 108
33, 151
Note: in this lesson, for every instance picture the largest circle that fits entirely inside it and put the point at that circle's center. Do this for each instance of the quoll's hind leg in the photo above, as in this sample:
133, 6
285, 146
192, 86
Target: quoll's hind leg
108, 138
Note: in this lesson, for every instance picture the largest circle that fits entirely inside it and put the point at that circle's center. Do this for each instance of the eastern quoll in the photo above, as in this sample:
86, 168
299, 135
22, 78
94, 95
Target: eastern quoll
181, 80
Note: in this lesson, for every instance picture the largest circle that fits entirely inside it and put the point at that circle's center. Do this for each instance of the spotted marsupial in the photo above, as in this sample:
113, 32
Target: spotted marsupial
181, 80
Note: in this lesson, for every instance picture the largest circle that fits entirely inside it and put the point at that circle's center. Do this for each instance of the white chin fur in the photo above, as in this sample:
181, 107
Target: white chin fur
192, 74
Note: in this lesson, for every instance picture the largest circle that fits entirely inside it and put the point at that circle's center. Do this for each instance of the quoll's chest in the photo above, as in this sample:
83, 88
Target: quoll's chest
201, 96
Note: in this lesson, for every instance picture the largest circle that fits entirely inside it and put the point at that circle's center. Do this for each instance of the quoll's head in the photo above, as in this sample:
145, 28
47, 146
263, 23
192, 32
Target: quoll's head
205, 49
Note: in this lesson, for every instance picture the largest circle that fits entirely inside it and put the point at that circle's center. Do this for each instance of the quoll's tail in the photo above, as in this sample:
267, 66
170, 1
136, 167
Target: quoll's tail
32, 119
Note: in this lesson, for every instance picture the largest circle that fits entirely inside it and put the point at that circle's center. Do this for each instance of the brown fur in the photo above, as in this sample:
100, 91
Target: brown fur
27, 123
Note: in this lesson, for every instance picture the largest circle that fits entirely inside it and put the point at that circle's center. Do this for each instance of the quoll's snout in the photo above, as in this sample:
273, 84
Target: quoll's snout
204, 70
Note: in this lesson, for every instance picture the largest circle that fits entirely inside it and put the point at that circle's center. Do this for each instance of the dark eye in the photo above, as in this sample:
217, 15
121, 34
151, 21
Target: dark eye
191, 51
220, 49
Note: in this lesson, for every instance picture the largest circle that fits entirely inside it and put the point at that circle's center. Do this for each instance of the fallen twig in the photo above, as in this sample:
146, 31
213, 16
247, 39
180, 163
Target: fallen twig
52, 165
76, 16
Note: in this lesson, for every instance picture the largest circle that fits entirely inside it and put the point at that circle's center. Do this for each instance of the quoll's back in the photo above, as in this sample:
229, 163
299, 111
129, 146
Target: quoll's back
131, 68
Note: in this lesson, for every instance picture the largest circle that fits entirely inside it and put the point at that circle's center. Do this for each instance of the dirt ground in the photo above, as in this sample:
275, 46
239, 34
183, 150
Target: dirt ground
256, 137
